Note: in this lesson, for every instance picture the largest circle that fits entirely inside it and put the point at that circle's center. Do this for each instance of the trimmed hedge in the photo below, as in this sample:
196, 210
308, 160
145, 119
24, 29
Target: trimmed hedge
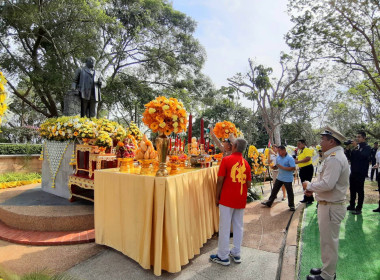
20, 149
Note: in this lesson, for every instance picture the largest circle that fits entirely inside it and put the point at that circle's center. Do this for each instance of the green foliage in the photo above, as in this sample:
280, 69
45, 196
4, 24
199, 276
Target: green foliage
20, 149
300, 130
44, 275
144, 48
19, 134
226, 106
18, 176
253, 194
273, 99
345, 32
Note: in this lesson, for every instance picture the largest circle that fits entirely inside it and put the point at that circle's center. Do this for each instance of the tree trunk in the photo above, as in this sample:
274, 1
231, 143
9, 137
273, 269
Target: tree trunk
277, 134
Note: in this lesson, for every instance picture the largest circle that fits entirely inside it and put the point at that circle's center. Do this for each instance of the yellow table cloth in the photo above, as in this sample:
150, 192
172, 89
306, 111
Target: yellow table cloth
157, 221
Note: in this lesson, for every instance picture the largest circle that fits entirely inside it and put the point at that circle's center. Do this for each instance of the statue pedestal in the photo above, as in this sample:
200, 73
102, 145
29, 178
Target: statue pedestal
71, 103
57, 157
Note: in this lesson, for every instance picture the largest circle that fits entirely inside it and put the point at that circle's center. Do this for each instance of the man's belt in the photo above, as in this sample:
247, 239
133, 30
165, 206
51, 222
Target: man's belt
322, 202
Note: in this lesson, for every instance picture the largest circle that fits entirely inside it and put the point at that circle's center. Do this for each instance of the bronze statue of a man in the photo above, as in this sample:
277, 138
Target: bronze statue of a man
88, 82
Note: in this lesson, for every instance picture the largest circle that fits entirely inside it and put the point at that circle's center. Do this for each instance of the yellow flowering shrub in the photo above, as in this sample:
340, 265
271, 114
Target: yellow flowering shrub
165, 115
224, 128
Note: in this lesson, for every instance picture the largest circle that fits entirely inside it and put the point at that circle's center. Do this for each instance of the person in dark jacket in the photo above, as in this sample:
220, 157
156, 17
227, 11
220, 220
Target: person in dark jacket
373, 160
360, 157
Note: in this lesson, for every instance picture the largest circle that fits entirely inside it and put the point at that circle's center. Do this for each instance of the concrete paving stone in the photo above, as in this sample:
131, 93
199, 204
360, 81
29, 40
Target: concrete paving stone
21, 259
111, 264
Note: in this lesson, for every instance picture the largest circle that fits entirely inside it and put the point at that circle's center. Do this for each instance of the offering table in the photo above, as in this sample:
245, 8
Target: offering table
157, 221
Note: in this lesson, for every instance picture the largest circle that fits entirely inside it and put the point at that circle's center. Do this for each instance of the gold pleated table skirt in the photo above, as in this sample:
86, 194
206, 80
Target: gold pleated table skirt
157, 221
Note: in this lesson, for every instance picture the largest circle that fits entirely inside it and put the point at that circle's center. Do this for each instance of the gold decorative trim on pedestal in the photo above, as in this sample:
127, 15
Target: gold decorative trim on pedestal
81, 182
83, 148
98, 158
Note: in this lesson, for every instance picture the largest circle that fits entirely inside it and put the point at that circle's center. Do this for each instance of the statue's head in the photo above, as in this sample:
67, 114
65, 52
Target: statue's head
90, 62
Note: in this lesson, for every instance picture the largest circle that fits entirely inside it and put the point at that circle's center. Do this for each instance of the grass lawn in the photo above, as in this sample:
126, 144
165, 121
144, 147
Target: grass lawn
359, 247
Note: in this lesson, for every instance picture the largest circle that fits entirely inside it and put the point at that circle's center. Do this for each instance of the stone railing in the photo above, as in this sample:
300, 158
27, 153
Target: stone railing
18, 163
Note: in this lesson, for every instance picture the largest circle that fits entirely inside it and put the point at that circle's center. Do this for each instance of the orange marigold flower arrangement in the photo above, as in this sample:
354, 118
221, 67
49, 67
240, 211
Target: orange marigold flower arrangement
223, 129
165, 115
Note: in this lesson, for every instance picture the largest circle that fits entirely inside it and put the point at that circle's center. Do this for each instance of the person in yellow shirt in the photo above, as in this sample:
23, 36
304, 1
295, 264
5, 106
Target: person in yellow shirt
305, 164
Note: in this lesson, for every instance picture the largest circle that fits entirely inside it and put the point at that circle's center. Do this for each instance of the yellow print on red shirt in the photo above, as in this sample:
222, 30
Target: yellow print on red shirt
238, 172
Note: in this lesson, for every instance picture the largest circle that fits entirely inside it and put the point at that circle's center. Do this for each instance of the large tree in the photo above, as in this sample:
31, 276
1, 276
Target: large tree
275, 99
343, 31
142, 43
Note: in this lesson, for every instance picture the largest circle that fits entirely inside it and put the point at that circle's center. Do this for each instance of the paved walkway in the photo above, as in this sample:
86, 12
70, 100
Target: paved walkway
263, 250
263, 247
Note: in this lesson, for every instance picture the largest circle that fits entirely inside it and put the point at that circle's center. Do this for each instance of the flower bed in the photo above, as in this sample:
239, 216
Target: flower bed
15, 179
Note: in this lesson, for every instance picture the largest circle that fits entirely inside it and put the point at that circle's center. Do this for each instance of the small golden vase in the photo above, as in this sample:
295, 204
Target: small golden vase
162, 145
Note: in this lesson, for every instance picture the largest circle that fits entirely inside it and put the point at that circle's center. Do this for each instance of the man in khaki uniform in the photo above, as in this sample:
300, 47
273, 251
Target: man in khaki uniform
330, 189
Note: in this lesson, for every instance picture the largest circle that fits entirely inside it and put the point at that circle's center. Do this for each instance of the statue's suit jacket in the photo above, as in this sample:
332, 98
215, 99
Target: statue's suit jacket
85, 80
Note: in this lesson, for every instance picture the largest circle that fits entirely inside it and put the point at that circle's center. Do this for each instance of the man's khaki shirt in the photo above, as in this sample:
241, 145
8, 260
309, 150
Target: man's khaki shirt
333, 177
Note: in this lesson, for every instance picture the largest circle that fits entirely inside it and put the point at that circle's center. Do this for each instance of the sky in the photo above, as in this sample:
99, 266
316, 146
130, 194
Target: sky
232, 31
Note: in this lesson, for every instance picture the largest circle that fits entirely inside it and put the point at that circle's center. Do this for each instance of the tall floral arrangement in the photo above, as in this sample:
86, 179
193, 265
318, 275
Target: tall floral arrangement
165, 115
3, 95
224, 129
259, 160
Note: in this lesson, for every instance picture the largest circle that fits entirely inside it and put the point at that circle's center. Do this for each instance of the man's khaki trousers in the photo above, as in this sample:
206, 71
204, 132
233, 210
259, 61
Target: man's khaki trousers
329, 218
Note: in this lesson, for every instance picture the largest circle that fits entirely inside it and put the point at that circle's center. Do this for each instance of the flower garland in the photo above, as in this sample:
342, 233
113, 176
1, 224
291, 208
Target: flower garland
165, 115
3, 95
54, 172
223, 129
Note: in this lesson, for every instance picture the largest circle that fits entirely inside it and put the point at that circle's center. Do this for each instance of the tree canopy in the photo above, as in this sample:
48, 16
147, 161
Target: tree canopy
138, 43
